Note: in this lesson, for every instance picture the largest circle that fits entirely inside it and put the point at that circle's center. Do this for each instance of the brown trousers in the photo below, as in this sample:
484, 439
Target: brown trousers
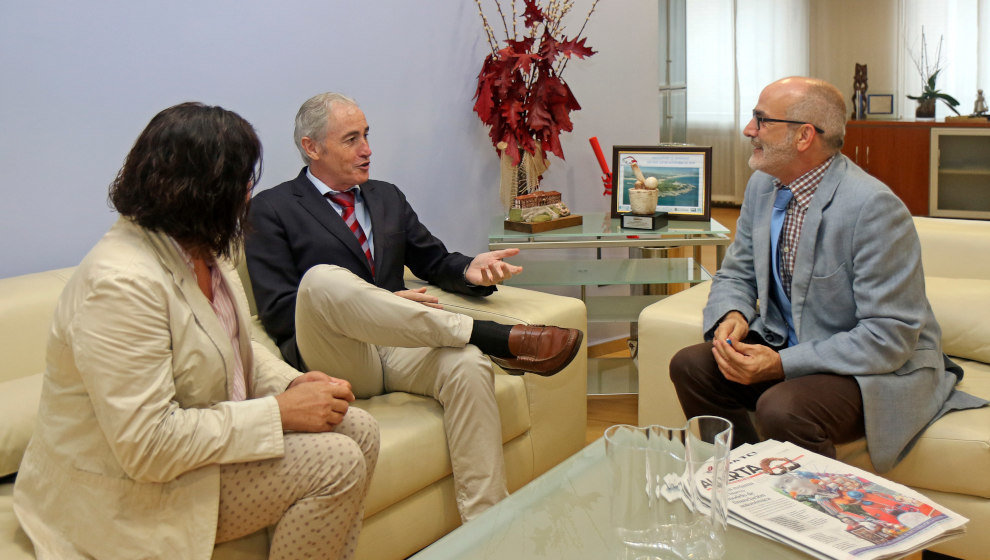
812, 411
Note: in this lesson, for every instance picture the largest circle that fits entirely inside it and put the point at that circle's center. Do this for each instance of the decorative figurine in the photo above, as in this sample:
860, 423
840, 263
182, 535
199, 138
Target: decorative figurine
859, 92
644, 194
980, 106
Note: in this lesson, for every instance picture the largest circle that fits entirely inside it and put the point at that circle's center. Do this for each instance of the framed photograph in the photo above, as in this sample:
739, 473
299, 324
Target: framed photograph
880, 104
683, 175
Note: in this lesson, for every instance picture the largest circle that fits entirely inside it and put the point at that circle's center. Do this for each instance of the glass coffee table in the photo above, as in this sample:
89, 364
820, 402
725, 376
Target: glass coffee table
564, 513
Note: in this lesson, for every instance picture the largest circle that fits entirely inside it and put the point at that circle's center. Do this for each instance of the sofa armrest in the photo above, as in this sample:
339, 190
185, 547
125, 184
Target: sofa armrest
27, 306
664, 328
558, 404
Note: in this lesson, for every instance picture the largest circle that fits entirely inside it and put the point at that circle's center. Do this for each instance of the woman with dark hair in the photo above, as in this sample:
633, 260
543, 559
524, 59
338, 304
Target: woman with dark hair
163, 428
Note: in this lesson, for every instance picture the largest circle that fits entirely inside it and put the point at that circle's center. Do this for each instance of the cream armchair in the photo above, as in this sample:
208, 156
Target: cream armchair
411, 500
951, 461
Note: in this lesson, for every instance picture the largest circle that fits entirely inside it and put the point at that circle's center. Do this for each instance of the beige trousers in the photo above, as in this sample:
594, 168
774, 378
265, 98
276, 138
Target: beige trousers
380, 342
314, 494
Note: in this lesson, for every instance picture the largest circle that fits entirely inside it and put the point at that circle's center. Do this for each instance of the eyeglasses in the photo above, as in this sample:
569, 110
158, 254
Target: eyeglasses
760, 120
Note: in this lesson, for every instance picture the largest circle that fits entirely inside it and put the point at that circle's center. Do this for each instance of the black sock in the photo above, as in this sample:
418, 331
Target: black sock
492, 338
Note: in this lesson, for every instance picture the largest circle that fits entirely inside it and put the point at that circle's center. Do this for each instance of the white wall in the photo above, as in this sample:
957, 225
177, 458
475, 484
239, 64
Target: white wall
78, 82
844, 32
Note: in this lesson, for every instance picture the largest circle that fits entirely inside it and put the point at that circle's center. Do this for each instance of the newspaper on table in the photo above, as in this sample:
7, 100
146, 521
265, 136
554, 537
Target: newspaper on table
827, 508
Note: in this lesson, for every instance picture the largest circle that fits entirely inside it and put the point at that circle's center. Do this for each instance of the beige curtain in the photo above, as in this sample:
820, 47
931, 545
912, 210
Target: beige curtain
735, 48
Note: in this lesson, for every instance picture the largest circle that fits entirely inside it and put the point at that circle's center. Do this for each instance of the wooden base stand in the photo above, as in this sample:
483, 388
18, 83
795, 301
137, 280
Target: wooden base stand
537, 227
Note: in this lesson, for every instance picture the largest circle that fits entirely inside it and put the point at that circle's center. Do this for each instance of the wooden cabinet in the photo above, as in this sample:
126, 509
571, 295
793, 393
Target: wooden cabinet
899, 154
895, 152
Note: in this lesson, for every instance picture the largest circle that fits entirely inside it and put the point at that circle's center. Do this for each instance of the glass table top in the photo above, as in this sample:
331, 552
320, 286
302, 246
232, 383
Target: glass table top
588, 272
599, 225
564, 513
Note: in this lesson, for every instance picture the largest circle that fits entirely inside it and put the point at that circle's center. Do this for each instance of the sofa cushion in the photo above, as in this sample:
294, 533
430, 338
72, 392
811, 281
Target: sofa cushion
414, 446
26, 307
19, 400
962, 309
959, 442
952, 248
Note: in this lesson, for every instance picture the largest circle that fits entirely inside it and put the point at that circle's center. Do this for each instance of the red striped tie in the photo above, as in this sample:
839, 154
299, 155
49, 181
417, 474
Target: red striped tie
346, 201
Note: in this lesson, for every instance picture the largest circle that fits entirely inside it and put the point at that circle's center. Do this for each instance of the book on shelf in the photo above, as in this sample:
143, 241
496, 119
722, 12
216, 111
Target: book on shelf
826, 508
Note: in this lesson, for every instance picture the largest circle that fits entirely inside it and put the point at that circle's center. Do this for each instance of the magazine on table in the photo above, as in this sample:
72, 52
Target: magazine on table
827, 508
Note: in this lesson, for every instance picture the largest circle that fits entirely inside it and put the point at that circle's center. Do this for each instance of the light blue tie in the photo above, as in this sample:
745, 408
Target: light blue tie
780, 203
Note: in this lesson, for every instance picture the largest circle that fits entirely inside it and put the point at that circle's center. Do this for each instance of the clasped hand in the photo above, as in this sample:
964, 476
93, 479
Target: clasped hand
314, 402
743, 363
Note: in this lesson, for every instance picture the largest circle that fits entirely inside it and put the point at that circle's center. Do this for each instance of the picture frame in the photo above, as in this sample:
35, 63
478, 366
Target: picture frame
686, 170
880, 104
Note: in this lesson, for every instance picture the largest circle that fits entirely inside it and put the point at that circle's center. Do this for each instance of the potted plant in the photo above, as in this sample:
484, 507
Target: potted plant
521, 95
929, 73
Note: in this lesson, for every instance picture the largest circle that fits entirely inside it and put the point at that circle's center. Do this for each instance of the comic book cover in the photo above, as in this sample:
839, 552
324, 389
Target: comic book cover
826, 507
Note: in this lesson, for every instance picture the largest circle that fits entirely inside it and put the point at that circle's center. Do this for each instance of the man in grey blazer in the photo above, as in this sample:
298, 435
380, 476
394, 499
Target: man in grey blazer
818, 318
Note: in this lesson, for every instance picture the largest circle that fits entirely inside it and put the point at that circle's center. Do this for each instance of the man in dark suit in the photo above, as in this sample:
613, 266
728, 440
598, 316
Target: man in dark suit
326, 263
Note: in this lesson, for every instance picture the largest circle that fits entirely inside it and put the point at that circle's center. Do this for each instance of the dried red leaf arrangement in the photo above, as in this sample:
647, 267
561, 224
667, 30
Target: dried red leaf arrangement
521, 94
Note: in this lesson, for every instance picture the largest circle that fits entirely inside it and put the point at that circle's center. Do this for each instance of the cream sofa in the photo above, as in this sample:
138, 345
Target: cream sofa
411, 500
951, 461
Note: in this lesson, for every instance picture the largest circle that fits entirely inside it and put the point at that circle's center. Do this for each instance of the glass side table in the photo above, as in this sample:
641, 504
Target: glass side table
599, 230
646, 270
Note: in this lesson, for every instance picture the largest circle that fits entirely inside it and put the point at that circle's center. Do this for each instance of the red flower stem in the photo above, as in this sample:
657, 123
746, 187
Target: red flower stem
513, 20
492, 42
498, 5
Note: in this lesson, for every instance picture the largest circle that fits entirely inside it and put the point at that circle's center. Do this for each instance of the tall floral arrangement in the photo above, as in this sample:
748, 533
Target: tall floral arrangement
521, 94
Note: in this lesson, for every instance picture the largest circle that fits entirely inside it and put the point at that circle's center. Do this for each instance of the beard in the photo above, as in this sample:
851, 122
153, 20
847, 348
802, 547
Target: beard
770, 158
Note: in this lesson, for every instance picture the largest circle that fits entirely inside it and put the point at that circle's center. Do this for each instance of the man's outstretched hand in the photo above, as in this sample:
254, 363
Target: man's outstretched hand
488, 269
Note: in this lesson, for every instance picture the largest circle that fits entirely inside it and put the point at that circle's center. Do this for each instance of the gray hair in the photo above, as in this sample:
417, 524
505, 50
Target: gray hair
313, 118
822, 105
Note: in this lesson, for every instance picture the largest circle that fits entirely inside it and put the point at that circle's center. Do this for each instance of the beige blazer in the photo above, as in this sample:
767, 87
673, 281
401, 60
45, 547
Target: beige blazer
134, 420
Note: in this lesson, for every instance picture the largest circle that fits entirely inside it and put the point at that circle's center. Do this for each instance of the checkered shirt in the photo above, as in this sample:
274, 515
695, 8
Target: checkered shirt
803, 188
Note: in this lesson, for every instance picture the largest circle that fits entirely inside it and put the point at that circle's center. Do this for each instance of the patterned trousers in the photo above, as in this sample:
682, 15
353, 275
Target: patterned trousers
313, 495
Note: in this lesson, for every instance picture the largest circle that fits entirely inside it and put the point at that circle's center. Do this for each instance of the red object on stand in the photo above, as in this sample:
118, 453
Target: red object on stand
607, 177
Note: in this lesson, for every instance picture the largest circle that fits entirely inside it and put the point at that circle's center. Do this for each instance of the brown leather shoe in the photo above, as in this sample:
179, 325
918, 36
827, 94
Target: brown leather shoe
540, 349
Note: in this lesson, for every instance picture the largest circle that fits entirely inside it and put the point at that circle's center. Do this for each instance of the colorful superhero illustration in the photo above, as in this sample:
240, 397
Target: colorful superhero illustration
869, 511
